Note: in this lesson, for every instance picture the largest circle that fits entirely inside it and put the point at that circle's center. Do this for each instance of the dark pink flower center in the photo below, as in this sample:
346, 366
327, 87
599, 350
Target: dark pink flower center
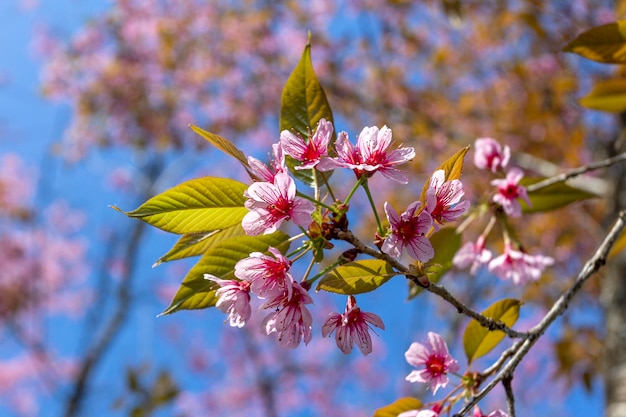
276, 269
510, 191
312, 153
436, 365
281, 208
406, 231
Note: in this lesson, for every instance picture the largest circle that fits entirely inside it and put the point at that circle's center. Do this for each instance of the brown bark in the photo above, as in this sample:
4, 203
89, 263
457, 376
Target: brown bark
614, 302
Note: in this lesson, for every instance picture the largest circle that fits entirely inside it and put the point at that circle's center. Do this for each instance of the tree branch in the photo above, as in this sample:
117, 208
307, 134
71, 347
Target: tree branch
592, 266
486, 322
576, 171
510, 398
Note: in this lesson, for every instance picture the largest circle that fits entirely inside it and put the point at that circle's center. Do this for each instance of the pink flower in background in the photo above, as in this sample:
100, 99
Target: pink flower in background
370, 155
268, 173
351, 327
271, 203
518, 266
443, 199
308, 153
16, 184
407, 232
435, 359
509, 192
268, 276
291, 320
496, 413
418, 413
233, 298
489, 154
473, 254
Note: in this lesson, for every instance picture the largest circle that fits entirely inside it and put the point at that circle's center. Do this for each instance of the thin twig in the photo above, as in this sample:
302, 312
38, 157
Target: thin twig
510, 398
486, 322
592, 266
576, 171
495, 367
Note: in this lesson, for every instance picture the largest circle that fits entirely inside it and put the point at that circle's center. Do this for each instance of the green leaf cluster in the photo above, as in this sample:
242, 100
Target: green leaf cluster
207, 212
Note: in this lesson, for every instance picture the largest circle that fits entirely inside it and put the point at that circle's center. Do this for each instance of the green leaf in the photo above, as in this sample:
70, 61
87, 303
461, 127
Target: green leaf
446, 242
303, 101
196, 292
552, 197
606, 95
303, 104
477, 340
357, 277
605, 43
196, 206
195, 244
453, 168
222, 144
399, 406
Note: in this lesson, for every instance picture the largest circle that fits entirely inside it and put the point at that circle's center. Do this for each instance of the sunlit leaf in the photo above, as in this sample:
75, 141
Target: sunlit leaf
303, 104
222, 144
195, 244
446, 242
399, 406
303, 101
453, 168
357, 277
552, 197
477, 340
196, 292
605, 43
195, 206
607, 95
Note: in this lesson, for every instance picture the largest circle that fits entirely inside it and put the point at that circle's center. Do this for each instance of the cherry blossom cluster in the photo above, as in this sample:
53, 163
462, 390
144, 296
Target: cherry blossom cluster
434, 364
272, 200
514, 264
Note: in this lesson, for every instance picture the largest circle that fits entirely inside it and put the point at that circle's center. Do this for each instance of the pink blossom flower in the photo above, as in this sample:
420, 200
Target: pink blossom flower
308, 153
370, 155
271, 203
518, 266
418, 413
268, 276
473, 254
509, 191
407, 232
496, 413
443, 199
352, 326
291, 320
490, 155
436, 360
233, 298
268, 173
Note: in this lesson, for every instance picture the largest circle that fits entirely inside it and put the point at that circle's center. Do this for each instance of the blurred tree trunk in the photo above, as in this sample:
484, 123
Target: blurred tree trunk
614, 296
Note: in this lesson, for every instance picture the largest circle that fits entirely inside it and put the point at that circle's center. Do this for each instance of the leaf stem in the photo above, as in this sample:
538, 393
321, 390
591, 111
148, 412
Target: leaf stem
324, 271
371, 200
330, 190
314, 201
353, 190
